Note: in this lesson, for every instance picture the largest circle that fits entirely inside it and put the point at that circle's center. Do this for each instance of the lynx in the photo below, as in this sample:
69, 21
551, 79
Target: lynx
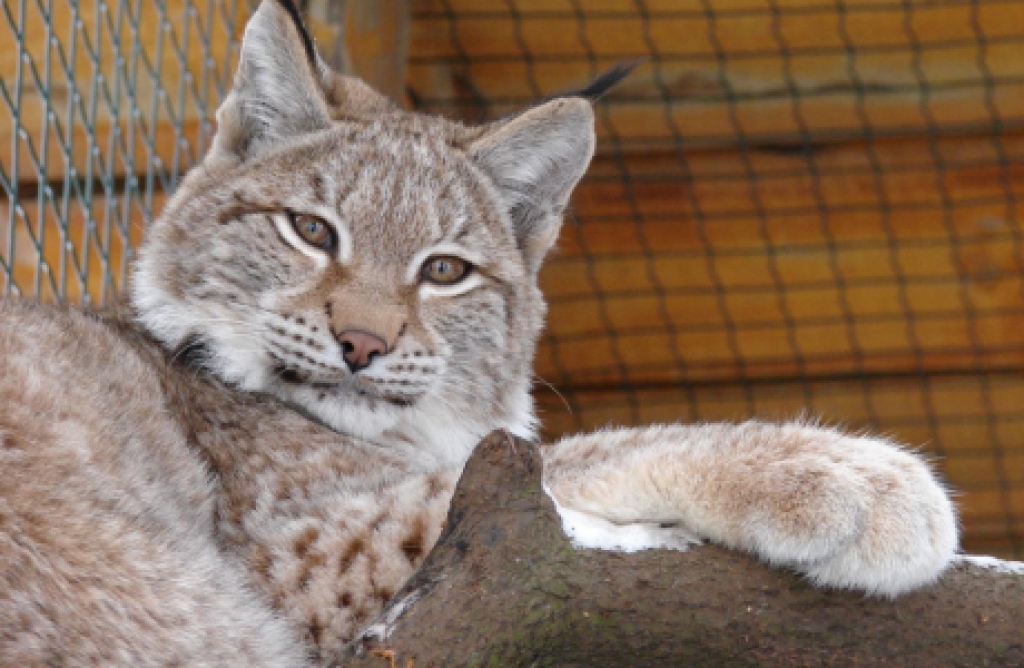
242, 465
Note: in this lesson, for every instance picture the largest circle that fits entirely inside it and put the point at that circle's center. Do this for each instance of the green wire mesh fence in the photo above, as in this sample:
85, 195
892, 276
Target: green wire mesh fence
108, 103
796, 204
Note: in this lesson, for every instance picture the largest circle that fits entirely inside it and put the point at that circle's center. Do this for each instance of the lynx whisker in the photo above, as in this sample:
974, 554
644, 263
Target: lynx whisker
554, 389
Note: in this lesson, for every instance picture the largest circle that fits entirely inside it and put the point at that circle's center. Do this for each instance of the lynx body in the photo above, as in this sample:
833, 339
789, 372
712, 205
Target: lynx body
337, 304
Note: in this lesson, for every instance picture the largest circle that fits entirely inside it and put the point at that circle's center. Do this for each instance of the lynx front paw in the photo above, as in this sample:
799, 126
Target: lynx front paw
864, 515
850, 512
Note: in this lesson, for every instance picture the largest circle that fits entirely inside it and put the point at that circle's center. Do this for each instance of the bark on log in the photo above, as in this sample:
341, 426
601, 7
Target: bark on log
503, 587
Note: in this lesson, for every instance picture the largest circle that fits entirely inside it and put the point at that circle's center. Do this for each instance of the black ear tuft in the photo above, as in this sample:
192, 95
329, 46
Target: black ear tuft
278, 92
534, 161
307, 41
604, 82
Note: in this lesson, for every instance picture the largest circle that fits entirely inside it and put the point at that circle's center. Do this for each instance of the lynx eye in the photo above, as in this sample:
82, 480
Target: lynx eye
314, 231
445, 269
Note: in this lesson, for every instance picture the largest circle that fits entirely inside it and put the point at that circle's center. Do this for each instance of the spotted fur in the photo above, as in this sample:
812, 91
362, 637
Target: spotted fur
204, 479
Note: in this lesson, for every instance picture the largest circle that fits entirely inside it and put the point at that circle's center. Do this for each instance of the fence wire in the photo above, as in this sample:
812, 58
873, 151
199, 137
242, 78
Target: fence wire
109, 103
797, 205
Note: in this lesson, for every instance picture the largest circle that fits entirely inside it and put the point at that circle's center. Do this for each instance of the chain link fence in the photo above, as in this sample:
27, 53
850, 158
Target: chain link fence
108, 104
797, 205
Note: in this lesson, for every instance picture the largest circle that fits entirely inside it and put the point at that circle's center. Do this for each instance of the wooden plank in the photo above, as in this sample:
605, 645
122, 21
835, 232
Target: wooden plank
737, 61
110, 151
654, 7
972, 422
643, 289
842, 176
377, 39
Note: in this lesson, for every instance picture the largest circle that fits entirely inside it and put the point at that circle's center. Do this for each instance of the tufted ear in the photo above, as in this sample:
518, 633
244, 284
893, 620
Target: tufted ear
535, 160
277, 93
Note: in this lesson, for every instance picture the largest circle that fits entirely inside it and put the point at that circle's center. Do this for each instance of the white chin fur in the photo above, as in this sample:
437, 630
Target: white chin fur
237, 358
429, 432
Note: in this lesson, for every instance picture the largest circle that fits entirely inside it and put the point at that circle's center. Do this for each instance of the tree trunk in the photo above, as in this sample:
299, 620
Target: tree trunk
503, 587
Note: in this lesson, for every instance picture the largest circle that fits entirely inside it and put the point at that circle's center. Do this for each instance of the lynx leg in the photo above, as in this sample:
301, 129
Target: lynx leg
851, 512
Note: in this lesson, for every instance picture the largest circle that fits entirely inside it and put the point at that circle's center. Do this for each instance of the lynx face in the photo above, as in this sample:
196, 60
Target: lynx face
376, 268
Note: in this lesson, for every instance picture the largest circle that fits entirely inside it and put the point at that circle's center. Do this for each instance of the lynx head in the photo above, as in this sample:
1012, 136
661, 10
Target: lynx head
374, 267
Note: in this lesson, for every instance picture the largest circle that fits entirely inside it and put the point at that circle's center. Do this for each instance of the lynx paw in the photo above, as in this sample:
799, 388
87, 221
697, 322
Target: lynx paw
868, 516
850, 512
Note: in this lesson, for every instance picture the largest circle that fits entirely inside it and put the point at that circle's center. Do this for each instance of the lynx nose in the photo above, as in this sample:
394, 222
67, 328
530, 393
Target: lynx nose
359, 348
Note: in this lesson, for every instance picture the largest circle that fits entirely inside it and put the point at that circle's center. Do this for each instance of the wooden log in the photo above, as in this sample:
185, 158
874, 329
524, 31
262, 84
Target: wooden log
504, 587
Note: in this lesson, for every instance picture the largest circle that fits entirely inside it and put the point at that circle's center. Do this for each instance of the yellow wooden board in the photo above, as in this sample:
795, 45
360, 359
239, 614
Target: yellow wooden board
130, 91
84, 260
880, 259
737, 71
